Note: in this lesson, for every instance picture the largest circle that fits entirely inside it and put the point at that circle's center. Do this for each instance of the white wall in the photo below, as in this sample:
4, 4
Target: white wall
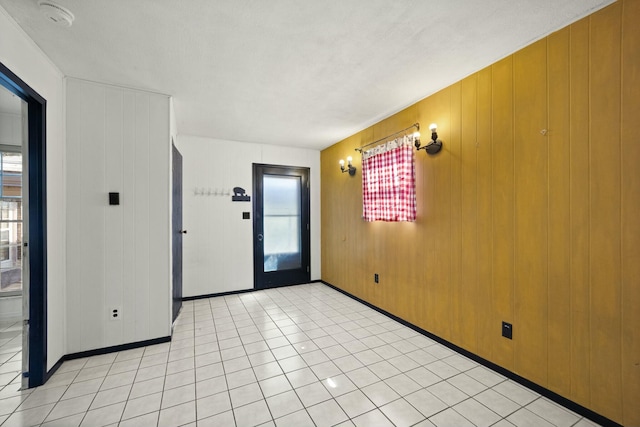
10, 128
118, 140
21, 55
218, 248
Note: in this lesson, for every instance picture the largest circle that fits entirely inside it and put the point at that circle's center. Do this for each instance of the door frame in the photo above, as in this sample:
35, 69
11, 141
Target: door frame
176, 233
259, 280
37, 223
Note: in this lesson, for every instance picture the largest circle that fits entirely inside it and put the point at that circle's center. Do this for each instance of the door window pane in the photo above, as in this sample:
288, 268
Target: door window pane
282, 223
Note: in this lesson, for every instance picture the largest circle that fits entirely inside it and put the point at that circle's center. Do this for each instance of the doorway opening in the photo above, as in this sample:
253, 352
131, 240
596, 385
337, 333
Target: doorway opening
23, 237
176, 236
281, 226
12, 118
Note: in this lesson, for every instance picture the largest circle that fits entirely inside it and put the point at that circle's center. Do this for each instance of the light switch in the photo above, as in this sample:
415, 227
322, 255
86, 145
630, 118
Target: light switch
114, 198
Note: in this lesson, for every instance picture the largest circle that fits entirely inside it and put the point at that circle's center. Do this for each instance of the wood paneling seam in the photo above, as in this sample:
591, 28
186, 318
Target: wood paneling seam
589, 210
620, 171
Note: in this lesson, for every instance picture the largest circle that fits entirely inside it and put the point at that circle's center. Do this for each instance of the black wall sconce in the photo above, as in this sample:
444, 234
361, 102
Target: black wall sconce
350, 168
434, 146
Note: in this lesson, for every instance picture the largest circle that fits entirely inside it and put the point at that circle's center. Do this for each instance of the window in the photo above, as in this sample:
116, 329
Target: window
10, 221
388, 182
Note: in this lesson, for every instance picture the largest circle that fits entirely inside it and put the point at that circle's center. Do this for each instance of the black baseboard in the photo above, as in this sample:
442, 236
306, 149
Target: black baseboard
219, 294
100, 351
561, 400
115, 348
243, 291
53, 369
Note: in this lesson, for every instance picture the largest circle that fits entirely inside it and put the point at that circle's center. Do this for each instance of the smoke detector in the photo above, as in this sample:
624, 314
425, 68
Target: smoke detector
55, 13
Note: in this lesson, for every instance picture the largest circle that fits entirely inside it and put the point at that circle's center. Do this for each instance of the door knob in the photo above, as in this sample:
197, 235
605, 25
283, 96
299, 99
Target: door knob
260, 237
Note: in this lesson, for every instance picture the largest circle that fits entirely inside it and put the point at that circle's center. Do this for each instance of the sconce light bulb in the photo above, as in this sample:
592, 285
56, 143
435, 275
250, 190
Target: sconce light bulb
416, 135
341, 162
433, 127
349, 159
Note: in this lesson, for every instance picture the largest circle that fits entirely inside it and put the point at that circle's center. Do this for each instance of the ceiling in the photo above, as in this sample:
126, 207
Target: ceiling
289, 72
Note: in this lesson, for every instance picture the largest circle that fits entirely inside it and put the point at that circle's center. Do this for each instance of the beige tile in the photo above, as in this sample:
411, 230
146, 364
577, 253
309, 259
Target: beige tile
284, 404
65, 408
179, 395
327, 413
372, 418
7, 406
111, 396
275, 385
355, 403
252, 414
28, 417
246, 394
72, 421
178, 415
103, 416
401, 413
142, 405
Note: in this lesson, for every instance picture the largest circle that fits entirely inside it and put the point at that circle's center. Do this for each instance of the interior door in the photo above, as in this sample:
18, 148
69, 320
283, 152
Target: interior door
177, 231
281, 235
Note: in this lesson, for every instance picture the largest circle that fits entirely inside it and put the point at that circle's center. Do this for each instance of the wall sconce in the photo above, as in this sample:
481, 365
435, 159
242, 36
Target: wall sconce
434, 145
350, 168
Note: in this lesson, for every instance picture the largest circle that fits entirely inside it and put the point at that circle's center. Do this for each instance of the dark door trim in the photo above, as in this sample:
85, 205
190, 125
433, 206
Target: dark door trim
177, 231
261, 279
37, 244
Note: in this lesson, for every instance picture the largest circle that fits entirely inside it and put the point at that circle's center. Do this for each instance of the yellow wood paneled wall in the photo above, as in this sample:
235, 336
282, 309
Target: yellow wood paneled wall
530, 214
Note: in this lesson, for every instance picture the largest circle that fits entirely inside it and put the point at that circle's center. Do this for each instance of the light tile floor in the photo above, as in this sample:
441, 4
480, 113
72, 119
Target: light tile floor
10, 353
296, 356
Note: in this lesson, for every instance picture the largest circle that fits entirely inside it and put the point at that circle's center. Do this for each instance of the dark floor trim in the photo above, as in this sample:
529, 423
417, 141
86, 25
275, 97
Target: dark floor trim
100, 351
219, 294
115, 348
53, 369
569, 404
243, 291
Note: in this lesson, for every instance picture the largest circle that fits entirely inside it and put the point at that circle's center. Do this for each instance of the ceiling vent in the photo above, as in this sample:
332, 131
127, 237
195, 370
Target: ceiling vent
55, 13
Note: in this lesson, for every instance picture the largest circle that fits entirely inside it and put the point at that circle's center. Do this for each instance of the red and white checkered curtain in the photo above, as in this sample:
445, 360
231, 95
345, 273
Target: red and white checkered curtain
389, 182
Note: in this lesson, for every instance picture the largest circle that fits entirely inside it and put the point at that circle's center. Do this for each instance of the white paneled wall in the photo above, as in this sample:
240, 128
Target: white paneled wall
218, 248
117, 256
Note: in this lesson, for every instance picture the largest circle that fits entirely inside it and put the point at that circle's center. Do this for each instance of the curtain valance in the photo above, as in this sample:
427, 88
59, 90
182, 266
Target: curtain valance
388, 181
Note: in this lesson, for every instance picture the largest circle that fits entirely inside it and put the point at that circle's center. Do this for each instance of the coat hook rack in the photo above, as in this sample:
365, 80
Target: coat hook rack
212, 191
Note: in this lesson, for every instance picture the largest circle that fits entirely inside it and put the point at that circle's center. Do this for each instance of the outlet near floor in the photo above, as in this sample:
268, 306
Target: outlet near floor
115, 313
507, 330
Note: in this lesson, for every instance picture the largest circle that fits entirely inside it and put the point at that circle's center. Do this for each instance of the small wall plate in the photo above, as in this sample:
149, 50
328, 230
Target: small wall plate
114, 198
507, 330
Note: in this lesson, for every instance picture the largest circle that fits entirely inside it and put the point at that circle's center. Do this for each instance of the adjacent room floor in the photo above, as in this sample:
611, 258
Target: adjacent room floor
10, 354
296, 356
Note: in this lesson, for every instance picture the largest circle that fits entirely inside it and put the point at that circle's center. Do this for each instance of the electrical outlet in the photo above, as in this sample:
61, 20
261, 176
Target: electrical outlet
507, 330
376, 278
115, 313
